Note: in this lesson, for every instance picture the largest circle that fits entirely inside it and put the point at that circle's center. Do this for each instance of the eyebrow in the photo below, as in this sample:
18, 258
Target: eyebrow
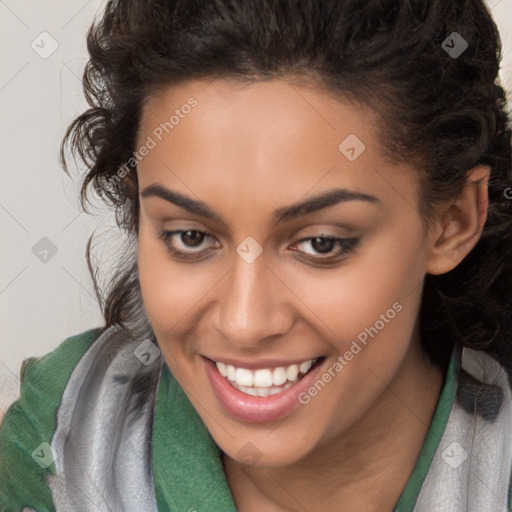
316, 203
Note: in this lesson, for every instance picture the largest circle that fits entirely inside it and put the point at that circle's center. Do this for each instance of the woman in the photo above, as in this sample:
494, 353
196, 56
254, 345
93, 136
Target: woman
313, 308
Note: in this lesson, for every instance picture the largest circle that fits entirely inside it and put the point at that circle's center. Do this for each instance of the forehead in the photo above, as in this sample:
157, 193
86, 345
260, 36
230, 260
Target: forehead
273, 141
263, 107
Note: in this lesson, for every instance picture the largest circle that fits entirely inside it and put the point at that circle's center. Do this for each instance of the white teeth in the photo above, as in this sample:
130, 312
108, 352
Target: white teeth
243, 377
263, 382
222, 369
262, 391
230, 370
246, 390
304, 367
279, 376
262, 379
292, 372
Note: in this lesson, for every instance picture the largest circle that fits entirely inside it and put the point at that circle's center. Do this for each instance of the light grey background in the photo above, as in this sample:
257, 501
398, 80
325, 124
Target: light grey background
44, 302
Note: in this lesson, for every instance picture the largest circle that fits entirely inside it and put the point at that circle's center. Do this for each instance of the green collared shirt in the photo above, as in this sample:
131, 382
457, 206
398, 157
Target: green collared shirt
187, 466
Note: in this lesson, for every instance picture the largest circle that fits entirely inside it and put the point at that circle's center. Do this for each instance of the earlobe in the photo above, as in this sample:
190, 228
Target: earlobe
461, 224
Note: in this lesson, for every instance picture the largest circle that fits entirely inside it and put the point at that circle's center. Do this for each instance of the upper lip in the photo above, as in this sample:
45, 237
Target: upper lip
263, 363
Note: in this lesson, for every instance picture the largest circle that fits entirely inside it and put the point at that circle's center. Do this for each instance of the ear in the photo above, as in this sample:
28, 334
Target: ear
461, 224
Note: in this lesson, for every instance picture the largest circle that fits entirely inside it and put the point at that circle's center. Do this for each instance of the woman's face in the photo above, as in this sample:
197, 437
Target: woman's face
256, 282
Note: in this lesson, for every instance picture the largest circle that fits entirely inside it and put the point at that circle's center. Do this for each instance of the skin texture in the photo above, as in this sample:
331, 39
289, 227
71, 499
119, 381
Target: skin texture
246, 150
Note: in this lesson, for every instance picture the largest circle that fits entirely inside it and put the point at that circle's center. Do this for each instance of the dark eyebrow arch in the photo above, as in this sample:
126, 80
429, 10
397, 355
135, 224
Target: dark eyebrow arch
319, 202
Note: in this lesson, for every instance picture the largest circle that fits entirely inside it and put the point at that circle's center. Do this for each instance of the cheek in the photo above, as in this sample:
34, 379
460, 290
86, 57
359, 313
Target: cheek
354, 295
368, 311
377, 290
171, 291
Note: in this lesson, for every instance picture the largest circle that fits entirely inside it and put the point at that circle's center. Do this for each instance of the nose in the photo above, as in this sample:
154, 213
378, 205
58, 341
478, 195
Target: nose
252, 305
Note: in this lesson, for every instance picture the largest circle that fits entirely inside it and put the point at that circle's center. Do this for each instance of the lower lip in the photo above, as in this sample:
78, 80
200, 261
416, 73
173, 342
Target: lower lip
257, 409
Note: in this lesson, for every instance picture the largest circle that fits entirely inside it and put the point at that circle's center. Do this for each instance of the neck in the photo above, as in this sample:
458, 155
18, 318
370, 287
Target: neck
365, 468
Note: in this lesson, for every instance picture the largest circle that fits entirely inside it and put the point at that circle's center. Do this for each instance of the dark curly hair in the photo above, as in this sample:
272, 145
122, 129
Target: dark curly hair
441, 114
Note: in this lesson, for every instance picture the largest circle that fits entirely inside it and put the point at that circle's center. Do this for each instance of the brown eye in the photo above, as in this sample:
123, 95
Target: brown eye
324, 245
192, 238
181, 243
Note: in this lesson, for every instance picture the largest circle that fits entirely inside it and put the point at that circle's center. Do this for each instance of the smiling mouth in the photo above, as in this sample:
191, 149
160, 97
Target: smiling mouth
266, 381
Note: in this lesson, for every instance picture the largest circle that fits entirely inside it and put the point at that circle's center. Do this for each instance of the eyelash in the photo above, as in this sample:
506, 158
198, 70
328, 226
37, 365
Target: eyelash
347, 245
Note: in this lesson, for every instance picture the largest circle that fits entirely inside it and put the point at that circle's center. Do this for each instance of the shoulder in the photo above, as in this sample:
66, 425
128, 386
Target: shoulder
28, 426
